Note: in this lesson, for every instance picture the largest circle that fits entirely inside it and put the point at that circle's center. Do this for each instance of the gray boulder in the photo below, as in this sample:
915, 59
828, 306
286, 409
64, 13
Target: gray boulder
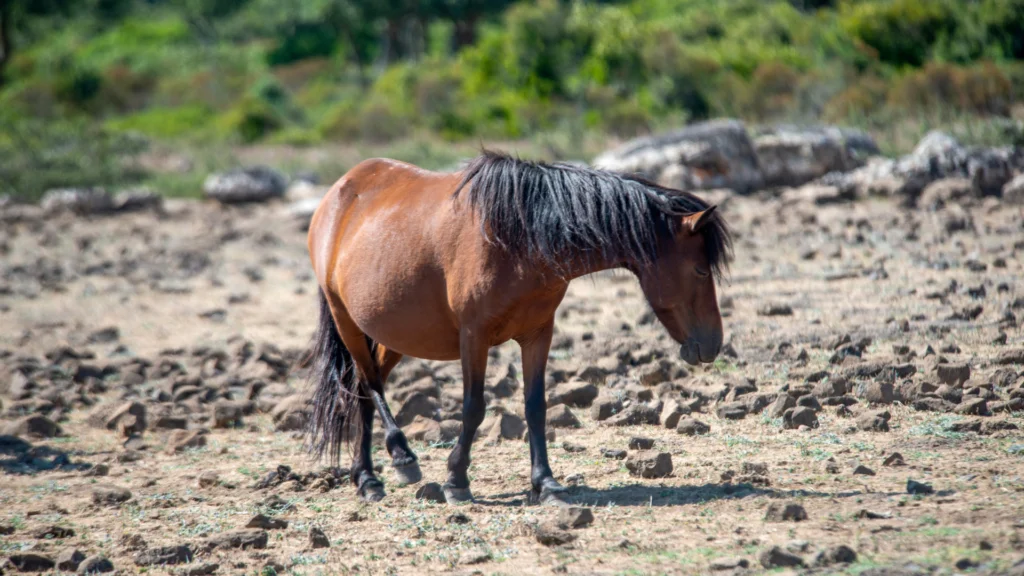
706, 155
795, 155
81, 201
246, 185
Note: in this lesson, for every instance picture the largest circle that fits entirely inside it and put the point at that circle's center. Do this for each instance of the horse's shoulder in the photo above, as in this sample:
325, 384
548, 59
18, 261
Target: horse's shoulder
376, 167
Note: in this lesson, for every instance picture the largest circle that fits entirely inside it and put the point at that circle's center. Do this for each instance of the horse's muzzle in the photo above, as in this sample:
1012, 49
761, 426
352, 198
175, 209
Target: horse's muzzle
694, 352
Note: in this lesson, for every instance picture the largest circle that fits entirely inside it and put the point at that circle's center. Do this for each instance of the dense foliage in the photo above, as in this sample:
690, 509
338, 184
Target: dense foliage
306, 71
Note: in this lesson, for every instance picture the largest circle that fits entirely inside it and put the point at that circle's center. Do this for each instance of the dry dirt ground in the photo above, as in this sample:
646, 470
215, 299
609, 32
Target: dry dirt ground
163, 347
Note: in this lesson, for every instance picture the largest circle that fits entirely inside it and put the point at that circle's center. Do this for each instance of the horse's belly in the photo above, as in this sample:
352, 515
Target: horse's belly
410, 316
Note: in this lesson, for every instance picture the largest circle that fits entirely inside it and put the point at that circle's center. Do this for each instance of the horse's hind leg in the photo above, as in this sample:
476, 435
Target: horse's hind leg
403, 460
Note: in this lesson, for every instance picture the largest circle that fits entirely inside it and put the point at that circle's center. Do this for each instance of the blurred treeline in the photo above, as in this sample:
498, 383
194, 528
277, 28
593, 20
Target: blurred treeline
116, 74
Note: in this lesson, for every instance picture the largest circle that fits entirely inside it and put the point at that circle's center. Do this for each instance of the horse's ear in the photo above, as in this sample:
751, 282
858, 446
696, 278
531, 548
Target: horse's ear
694, 222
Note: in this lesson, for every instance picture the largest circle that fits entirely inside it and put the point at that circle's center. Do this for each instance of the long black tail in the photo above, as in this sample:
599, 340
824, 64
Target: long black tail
335, 413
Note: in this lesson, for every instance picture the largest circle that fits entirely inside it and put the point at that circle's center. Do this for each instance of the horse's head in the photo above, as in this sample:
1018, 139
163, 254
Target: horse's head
680, 285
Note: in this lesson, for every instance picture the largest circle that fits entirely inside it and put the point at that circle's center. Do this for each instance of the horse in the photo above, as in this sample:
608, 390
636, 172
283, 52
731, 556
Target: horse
443, 266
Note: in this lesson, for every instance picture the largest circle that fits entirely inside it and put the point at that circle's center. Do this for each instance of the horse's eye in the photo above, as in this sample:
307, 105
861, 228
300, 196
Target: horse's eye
701, 272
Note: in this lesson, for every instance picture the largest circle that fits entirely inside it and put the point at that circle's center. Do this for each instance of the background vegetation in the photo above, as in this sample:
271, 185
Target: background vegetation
102, 91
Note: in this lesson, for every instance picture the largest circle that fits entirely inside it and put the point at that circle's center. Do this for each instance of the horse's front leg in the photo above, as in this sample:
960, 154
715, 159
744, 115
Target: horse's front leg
535, 358
473, 349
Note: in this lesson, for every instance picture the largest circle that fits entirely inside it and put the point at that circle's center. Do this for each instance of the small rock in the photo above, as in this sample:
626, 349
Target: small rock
914, 487
972, 406
109, 495
692, 427
562, 417
227, 414
953, 374
51, 532
266, 523
841, 554
863, 471
458, 518
649, 464
207, 568
635, 415
475, 556
640, 443
69, 559
799, 416
723, 564
604, 407
672, 411
166, 555
732, 410
549, 534
317, 538
241, 539
776, 557
874, 421
29, 562
432, 492
180, 440
785, 511
613, 454
34, 426
775, 309
95, 565
575, 393
575, 517
208, 479
894, 459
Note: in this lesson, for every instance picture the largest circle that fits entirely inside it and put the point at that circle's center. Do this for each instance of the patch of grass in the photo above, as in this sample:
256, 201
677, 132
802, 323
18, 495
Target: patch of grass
938, 427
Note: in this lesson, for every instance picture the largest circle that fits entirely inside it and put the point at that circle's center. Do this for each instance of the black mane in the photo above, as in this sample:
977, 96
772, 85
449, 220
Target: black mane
552, 212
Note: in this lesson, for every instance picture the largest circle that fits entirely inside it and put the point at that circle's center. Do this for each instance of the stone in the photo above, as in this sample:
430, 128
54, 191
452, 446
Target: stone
1013, 191
30, 562
604, 407
775, 309
790, 156
640, 443
207, 568
894, 459
50, 532
731, 411
785, 512
1010, 357
840, 554
782, 403
69, 559
574, 517
729, 564
263, 522
549, 534
682, 158
953, 374
79, 201
862, 470
423, 430
915, 487
575, 393
502, 425
109, 495
417, 404
137, 200
562, 417
241, 539
227, 414
975, 406
649, 464
874, 421
799, 416
164, 556
636, 414
245, 185
692, 427
672, 412
34, 426
95, 565
613, 454
180, 440
208, 479
317, 538
776, 557
431, 492
474, 556
879, 393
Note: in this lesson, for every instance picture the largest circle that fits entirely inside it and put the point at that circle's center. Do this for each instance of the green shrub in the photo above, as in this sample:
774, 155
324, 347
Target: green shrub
900, 32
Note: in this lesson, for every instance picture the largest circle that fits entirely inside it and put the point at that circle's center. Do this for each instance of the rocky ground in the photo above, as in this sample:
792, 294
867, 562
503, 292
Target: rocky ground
864, 417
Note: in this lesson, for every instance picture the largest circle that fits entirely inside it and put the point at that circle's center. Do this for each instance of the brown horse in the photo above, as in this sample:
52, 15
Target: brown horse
444, 266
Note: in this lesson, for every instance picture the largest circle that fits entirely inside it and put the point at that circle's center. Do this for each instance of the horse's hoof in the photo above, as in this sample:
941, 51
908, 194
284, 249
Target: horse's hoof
455, 495
551, 494
408, 474
371, 490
